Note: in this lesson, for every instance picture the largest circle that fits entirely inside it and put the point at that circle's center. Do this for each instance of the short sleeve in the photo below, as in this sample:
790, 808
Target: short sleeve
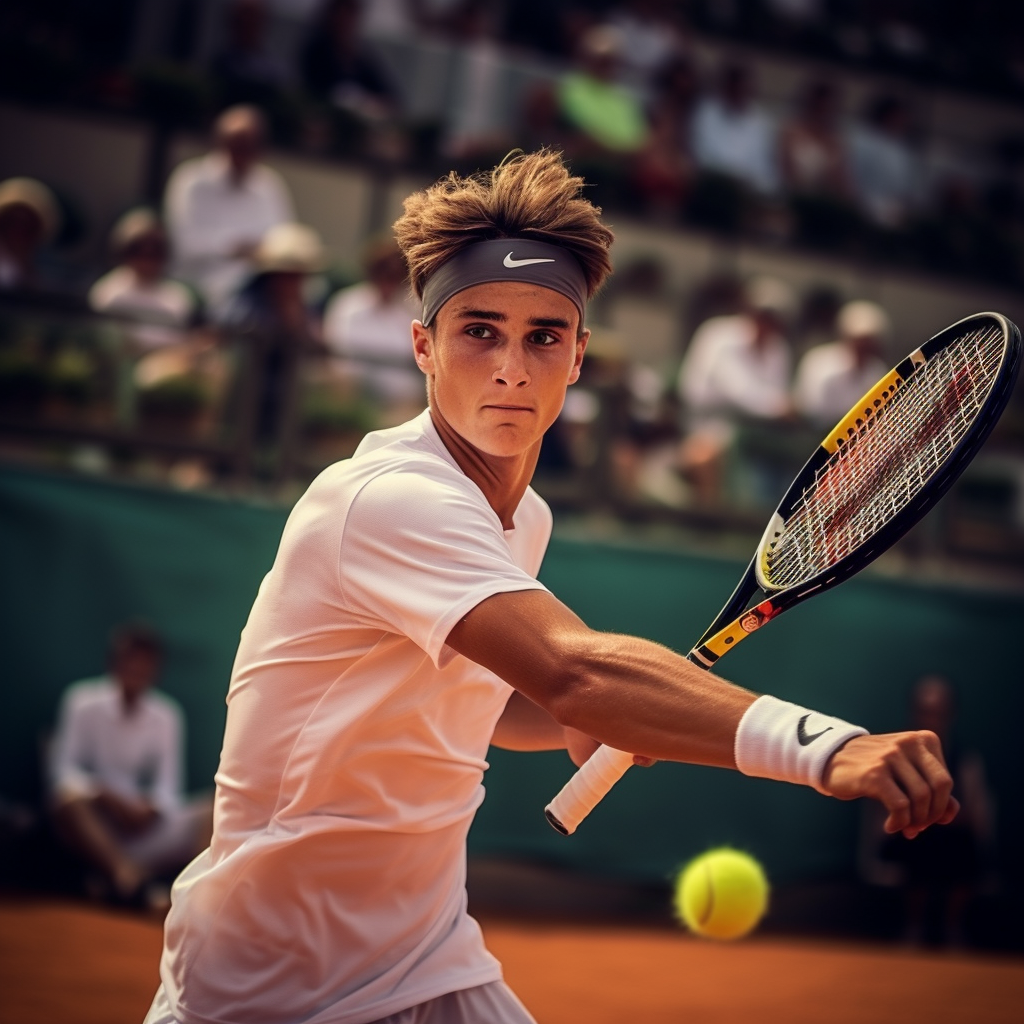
418, 552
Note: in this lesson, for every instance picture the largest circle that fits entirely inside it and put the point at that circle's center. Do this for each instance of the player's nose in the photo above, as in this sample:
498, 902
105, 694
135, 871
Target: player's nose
511, 370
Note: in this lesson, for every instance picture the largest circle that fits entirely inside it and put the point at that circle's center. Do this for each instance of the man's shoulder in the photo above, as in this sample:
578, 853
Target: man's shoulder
410, 455
96, 691
191, 171
268, 178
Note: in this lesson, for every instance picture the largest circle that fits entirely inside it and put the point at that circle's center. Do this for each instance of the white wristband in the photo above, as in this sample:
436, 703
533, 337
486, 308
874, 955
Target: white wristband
783, 741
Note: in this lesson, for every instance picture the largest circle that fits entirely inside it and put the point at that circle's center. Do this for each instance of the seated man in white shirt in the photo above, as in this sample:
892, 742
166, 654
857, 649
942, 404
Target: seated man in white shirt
831, 377
402, 629
736, 368
733, 134
219, 206
366, 329
116, 772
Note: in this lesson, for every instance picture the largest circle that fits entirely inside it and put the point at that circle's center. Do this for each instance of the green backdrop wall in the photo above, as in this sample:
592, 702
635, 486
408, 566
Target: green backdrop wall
79, 555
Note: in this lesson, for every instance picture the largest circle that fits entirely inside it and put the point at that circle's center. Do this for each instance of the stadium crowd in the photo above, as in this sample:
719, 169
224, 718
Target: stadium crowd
661, 133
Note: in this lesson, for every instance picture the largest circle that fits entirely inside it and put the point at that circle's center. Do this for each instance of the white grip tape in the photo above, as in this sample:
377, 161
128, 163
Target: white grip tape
587, 788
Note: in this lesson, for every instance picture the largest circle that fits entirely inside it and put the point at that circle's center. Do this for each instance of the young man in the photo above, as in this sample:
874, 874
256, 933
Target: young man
116, 773
402, 629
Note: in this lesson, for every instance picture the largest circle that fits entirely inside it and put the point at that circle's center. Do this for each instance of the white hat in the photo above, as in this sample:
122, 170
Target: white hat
35, 195
132, 226
771, 295
862, 319
290, 249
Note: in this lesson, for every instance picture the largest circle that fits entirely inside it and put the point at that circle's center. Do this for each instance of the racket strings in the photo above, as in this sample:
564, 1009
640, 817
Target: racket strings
877, 472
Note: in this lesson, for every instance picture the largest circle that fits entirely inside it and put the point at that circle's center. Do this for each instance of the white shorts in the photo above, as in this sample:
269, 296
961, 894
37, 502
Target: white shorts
173, 839
494, 1003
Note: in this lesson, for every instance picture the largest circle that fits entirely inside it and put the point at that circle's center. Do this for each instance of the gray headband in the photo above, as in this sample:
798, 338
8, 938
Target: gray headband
506, 259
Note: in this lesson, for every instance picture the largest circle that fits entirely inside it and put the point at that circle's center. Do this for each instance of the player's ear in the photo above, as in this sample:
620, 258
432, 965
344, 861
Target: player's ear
423, 346
581, 346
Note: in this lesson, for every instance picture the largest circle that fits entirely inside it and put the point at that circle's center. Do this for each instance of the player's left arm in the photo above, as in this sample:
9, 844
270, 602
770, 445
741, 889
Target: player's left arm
525, 725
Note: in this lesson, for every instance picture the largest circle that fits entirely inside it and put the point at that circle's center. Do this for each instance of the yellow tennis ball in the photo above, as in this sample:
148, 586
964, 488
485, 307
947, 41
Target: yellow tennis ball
721, 894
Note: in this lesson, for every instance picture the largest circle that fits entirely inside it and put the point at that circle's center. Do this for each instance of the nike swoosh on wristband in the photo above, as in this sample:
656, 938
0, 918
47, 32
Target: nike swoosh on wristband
511, 263
801, 733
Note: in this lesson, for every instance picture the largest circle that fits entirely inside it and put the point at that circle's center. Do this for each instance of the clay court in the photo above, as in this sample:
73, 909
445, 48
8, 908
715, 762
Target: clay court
64, 962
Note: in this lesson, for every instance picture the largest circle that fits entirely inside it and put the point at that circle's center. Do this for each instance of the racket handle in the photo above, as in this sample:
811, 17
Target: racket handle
587, 788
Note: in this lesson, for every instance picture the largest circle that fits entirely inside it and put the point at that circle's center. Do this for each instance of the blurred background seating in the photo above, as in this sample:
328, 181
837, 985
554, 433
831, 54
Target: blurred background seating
154, 143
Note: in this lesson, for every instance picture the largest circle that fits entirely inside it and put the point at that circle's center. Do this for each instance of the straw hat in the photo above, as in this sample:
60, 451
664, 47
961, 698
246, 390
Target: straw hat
135, 224
771, 295
35, 195
290, 249
861, 319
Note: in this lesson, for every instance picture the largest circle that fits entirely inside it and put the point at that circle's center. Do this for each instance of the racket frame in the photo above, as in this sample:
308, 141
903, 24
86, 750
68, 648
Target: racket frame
736, 621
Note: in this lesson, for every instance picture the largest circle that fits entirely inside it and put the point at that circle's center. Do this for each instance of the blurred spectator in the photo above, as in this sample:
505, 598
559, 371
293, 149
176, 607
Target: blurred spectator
246, 67
600, 116
664, 173
138, 286
219, 206
367, 329
734, 135
603, 127
941, 870
736, 368
279, 318
29, 218
812, 147
886, 171
478, 86
831, 377
117, 773
338, 69
650, 34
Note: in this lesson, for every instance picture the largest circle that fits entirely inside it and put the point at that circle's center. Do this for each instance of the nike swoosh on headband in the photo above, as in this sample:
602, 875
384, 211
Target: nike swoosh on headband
509, 262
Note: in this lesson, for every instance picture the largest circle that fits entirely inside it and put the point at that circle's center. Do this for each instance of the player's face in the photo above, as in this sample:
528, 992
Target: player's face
499, 358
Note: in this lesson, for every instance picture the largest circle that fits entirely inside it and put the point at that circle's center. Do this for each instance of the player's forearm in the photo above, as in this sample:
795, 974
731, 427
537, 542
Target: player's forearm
624, 691
644, 698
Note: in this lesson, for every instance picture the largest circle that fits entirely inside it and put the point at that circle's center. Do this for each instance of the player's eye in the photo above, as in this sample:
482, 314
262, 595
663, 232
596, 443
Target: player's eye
479, 331
543, 338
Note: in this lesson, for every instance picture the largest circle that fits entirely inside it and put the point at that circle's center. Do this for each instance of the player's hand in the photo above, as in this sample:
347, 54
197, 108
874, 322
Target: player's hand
579, 745
904, 771
581, 748
132, 815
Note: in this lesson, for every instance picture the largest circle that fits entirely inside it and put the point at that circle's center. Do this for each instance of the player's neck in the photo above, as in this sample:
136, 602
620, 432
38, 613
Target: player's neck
503, 479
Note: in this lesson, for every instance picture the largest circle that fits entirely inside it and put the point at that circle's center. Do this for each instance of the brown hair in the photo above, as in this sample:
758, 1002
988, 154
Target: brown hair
528, 195
130, 637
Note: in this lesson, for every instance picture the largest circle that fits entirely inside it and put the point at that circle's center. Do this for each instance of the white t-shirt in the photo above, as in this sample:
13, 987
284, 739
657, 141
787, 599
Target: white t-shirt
828, 382
373, 340
724, 373
334, 889
737, 142
209, 215
162, 307
98, 746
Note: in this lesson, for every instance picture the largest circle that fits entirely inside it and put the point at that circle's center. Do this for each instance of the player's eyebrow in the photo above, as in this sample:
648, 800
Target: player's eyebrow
550, 321
481, 314
496, 317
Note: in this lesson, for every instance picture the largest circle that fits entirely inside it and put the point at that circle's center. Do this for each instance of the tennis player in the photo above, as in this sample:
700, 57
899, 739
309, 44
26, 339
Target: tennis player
402, 630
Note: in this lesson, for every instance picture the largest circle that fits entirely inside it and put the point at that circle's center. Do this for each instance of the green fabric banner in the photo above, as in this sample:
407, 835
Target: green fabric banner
80, 555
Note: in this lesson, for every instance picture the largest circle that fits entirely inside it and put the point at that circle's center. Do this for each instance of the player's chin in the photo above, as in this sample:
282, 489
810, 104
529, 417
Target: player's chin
509, 441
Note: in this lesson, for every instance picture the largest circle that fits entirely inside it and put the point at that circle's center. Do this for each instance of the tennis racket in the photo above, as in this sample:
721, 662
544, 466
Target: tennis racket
886, 463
